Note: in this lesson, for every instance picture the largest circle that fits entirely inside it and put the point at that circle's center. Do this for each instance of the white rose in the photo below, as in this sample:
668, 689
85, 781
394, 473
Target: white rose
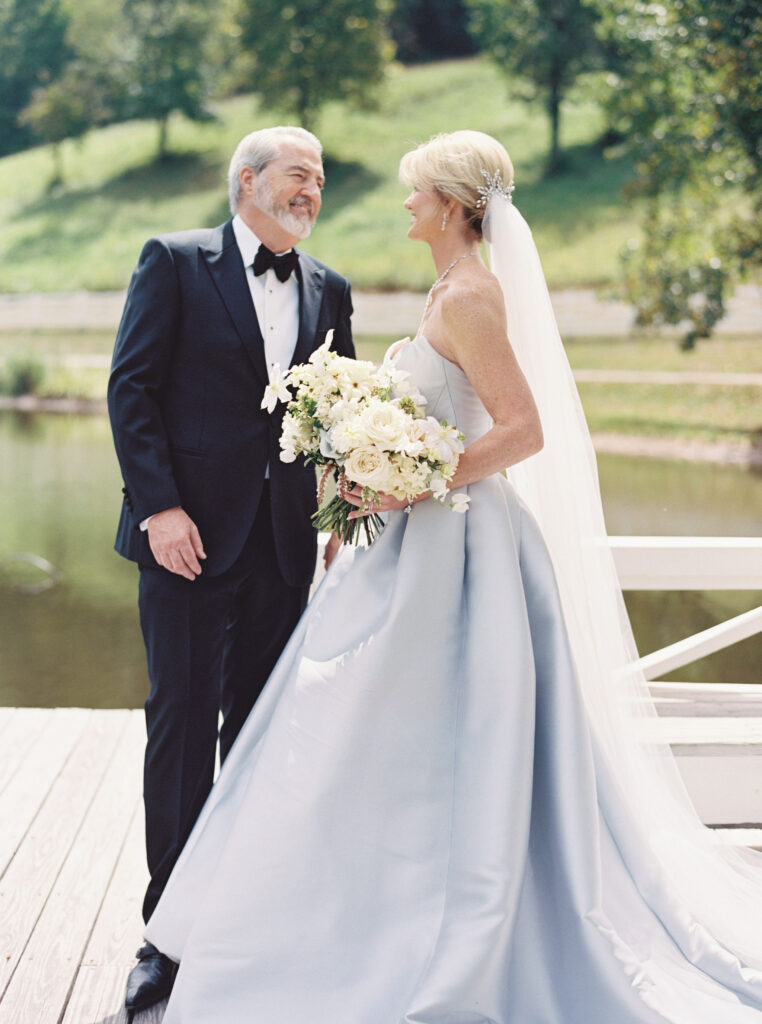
368, 467
386, 425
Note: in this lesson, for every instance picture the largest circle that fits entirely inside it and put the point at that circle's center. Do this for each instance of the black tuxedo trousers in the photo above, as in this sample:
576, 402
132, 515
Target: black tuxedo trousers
229, 628
185, 393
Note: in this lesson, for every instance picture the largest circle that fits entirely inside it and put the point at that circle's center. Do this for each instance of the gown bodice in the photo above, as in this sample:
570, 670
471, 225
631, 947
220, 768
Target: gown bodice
450, 394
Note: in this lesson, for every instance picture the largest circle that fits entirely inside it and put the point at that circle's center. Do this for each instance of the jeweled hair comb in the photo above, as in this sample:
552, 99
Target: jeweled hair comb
494, 187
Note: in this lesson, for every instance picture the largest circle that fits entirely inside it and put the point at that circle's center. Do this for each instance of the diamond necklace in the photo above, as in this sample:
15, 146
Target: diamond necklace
441, 278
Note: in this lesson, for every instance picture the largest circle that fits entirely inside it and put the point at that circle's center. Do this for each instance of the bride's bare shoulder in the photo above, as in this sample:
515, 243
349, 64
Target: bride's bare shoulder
474, 302
396, 347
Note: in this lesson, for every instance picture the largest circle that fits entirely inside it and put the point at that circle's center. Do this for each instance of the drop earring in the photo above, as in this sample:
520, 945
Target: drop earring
445, 219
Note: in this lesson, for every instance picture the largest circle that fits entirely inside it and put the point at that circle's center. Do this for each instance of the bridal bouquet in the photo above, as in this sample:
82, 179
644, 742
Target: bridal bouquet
367, 425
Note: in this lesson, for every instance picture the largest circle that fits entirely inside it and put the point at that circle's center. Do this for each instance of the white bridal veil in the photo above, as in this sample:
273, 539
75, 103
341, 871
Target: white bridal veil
701, 887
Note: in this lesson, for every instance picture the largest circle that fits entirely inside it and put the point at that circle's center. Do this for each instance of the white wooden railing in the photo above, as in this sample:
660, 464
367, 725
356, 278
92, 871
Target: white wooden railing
687, 563
692, 563
715, 730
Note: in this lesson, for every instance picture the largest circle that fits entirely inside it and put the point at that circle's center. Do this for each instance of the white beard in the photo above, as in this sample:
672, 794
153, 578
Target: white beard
290, 222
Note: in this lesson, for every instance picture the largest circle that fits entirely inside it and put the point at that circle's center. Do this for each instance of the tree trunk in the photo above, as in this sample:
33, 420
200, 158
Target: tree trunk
57, 166
163, 133
304, 109
555, 160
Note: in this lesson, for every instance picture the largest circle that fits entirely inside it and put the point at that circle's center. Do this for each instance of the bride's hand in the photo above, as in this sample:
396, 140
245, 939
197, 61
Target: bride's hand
386, 503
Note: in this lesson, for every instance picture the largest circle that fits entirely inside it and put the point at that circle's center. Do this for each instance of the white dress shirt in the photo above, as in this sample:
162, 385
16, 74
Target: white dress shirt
276, 304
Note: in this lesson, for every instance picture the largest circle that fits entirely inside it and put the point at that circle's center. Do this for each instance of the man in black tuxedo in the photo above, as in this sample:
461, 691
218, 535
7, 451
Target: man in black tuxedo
218, 525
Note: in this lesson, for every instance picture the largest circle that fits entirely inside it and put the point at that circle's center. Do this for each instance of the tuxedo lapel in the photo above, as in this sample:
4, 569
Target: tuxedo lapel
311, 288
229, 276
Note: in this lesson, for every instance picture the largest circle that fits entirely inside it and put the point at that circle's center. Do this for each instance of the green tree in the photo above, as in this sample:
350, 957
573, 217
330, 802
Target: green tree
686, 95
542, 46
430, 29
307, 52
164, 65
32, 53
67, 108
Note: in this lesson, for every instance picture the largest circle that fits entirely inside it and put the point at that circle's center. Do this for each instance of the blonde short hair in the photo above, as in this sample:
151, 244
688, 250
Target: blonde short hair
451, 164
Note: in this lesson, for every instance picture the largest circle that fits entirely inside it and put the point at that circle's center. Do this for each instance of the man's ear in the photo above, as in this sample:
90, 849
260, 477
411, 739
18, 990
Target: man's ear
248, 178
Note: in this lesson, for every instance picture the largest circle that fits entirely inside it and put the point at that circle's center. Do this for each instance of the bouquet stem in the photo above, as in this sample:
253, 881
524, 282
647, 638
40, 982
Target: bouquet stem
334, 517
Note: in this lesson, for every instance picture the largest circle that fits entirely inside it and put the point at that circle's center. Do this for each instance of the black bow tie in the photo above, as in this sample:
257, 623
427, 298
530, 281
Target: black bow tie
283, 265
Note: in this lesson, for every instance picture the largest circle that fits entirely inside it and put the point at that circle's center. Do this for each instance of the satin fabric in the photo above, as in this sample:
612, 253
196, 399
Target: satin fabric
410, 828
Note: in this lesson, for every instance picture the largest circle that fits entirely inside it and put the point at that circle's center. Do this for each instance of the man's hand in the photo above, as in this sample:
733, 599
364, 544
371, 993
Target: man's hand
332, 546
175, 542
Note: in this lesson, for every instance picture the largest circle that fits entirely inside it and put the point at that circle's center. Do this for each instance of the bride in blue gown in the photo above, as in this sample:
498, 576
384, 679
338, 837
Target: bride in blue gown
445, 807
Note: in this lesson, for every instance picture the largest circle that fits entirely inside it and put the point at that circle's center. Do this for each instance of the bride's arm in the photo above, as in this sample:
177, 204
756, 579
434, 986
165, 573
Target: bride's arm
475, 333
476, 339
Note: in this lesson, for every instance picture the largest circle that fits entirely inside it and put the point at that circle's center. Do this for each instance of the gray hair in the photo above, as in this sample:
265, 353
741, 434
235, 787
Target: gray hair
260, 148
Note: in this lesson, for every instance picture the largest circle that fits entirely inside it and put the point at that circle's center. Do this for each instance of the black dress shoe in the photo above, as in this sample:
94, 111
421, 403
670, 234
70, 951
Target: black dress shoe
150, 980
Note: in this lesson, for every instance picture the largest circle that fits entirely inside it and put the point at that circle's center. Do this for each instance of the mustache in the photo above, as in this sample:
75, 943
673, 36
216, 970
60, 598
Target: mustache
305, 204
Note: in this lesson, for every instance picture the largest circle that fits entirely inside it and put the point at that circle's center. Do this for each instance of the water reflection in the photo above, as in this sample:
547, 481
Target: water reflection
78, 642
654, 496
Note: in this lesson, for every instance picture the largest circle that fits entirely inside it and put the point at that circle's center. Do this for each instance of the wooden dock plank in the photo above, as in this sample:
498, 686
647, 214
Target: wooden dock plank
33, 871
25, 792
24, 726
98, 992
83, 935
42, 982
6, 716
118, 932
98, 998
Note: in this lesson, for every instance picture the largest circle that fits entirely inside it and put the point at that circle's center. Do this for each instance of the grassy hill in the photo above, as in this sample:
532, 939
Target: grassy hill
87, 234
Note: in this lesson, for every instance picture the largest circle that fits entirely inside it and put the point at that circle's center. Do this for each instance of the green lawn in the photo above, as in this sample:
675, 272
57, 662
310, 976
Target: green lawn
714, 413
648, 352
642, 352
54, 345
88, 233
678, 411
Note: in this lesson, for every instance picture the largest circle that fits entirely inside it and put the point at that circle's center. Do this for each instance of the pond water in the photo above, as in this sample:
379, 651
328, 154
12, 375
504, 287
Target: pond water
78, 642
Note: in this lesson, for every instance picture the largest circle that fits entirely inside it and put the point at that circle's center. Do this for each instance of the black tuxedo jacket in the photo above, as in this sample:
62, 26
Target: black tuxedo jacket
187, 380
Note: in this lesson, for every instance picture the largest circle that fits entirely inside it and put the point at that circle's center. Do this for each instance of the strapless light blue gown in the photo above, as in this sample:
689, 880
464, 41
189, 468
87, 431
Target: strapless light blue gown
408, 827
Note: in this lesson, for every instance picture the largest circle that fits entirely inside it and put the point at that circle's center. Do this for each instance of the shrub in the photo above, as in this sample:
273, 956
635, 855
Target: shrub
23, 376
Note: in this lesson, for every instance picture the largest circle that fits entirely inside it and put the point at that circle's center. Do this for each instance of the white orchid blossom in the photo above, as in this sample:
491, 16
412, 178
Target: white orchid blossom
277, 389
